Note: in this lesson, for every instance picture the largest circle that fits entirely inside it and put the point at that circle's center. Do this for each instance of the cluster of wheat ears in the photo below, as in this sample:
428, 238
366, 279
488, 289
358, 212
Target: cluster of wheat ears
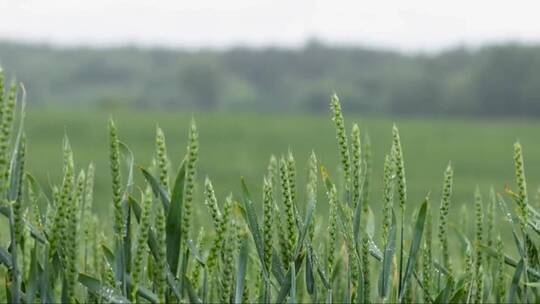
59, 251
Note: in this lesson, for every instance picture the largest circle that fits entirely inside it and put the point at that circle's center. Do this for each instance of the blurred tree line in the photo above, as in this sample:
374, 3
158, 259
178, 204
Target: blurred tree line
501, 80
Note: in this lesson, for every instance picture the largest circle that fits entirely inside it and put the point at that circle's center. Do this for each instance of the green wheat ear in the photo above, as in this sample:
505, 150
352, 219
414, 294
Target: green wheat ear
490, 219
289, 210
160, 272
332, 228
18, 209
522, 186
272, 172
196, 272
191, 172
72, 235
140, 247
400, 168
6, 125
478, 274
388, 196
365, 268
220, 236
499, 283
114, 157
427, 256
341, 136
162, 160
64, 197
311, 187
228, 262
268, 218
291, 170
443, 215
312, 177
87, 219
356, 151
211, 202
367, 176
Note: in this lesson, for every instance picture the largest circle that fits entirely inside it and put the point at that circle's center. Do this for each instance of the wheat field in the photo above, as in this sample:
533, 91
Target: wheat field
165, 235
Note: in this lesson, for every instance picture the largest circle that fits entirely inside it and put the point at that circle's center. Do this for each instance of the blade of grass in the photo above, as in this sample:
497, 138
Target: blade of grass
309, 277
305, 228
509, 261
515, 282
34, 232
277, 267
241, 271
415, 245
156, 188
251, 219
390, 248
287, 281
95, 286
15, 272
292, 295
174, 219
5, 257
33, 276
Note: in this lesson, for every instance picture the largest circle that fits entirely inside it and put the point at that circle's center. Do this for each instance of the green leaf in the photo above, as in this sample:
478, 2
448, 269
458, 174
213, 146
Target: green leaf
144, 292
445, 293
109, 255
515, 282
193, 298
357, 220
320, 271
44, 289
195, 252
360, 289
5, 257
174, 219
287, 283
326, 179
415, 246
15, 171
130, 163
532, 284
34, 232
141, 291
292, 295
251, 219
370, 222
305, 228
156, 188
205, 286
33, 276
241, 271
100, 289
389, 250
458, 296
16, 166
15, 272
509, 261
277, 267
310, 279
183, 270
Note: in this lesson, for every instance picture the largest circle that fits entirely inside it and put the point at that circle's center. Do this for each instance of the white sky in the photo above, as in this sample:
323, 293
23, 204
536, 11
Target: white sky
407, 25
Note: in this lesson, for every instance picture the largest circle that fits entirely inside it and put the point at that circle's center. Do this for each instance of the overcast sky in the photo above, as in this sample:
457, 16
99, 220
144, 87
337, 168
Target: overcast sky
411, 25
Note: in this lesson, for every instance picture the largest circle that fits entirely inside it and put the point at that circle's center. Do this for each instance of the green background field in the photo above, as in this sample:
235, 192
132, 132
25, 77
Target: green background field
234, 145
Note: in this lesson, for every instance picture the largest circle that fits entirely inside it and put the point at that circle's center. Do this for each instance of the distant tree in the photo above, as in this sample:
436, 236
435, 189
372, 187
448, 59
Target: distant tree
202, 82
499, 80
